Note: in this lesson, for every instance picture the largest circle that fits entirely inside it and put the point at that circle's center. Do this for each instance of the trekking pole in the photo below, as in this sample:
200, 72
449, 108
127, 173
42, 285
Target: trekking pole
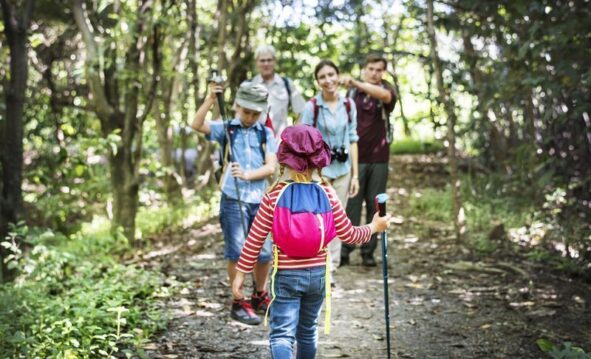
380, 202
218, 79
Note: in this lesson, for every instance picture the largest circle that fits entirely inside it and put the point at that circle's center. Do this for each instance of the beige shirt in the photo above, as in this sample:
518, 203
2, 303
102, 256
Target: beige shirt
279, 103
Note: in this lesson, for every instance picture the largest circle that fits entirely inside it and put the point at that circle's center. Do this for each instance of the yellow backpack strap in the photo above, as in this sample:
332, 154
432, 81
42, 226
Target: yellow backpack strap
327, 279
275, 265
225, 167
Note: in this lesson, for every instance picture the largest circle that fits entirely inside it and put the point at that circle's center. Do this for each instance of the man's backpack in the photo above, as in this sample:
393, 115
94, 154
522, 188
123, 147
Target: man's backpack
317, 109
303, 222
286, 83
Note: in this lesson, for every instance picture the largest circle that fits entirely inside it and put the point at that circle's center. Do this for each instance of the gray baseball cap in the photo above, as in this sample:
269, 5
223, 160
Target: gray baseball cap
252, 96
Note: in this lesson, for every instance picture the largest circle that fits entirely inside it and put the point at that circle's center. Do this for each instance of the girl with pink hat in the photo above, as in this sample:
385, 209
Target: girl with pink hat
303, 217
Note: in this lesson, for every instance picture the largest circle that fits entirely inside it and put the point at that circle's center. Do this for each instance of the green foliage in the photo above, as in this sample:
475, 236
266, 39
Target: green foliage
565, 351
151, 221
73, 299
432, 204
483, 208
415, 146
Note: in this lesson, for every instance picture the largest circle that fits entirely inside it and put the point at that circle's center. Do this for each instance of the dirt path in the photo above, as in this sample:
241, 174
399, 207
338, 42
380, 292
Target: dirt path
444, 302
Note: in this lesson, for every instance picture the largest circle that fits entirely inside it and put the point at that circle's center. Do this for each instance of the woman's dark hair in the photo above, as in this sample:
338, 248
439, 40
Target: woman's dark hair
323, 63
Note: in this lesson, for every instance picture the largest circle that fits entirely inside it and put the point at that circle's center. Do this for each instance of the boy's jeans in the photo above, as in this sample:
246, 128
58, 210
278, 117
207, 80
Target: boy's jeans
299, 294
234, 232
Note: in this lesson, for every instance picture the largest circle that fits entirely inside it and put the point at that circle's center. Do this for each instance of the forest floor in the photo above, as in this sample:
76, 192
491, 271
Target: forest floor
445, 302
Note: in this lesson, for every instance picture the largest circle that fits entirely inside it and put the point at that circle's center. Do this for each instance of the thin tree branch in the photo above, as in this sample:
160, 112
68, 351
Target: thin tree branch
103, 108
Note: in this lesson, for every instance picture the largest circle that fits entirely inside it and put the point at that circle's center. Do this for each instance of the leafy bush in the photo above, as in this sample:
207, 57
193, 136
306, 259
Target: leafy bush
415, 146
432, 204
155, 220
73, 300
483, 210
565, 351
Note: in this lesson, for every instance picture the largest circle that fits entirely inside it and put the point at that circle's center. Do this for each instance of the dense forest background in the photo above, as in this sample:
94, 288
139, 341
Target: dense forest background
96, 98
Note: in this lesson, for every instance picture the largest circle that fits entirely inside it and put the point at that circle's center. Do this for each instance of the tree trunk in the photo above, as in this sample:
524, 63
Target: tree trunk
237, 68
221, 42
495, 151
529, 115
124, 163
162, 116
125, 192
394, 60
16, 23
449, 106
204, 166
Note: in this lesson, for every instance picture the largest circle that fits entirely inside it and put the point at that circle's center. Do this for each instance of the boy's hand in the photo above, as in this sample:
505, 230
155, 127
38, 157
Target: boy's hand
214, 89
237, 288
237, 171
379, 224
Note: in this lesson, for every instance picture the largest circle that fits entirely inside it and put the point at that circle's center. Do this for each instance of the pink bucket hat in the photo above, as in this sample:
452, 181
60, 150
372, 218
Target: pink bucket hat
302, 147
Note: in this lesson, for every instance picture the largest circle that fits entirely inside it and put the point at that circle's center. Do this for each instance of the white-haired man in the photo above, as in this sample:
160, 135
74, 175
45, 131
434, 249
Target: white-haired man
282, 92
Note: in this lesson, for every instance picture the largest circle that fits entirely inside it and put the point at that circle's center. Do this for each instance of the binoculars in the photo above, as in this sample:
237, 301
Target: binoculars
216, 77
340, 154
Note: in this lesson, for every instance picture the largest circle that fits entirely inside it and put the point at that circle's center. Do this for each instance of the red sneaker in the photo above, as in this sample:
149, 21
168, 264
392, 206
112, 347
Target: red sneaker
242, 311
260, 302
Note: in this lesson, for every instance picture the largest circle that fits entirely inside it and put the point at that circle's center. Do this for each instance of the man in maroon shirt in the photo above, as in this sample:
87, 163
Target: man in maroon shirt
375, 100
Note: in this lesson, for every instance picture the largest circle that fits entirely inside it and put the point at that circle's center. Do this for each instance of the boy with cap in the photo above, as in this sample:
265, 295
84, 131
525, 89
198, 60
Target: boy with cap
254, 160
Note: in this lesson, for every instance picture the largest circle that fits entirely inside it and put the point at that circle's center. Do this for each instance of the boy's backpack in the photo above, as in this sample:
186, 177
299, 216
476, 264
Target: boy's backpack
232, 130
317, 109
303, 222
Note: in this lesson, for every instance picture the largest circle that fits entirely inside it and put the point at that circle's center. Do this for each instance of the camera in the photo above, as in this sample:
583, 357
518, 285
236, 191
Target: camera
340, 154
215, 77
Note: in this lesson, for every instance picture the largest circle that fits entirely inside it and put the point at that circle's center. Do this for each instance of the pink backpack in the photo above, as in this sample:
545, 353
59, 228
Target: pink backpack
303, 223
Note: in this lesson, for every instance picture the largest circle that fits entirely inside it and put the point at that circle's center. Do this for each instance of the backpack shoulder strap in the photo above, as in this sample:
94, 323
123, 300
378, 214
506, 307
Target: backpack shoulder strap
231, 131
348, 107
286, 83
316, 110
352, 92
325, 192
262, 137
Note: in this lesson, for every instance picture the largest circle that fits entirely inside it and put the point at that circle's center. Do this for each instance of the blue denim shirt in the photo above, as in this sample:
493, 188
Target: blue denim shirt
336, 130
247, 152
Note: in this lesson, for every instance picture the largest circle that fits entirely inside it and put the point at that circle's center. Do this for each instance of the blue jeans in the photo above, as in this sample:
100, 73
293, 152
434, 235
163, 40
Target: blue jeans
234, 231
299, 294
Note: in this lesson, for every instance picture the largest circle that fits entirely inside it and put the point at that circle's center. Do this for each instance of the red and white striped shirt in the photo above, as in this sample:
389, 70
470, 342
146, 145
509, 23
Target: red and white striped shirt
263, 222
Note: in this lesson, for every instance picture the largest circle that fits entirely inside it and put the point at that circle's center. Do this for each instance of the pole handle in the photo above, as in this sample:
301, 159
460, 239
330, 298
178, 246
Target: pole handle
215, 76
380, 203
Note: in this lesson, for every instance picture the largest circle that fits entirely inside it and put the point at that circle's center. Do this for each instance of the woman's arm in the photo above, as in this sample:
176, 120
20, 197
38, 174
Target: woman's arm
354, 152
307, 115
